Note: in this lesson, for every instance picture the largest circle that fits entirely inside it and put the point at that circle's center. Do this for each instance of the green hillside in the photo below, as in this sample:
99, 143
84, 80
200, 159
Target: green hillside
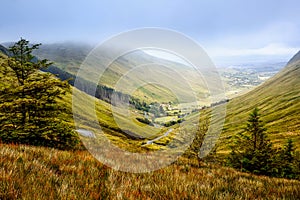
69, 57
105, 117
30, 172
279, 102
277, 98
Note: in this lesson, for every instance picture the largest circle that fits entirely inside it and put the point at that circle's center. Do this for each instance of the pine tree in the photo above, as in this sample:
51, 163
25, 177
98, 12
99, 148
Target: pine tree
286, 160
252, 151
29, 111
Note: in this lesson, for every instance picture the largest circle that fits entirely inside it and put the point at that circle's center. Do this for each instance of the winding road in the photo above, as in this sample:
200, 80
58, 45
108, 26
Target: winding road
158, 138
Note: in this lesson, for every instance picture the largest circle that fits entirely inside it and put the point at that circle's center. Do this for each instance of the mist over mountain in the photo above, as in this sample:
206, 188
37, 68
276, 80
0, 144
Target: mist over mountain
133, 68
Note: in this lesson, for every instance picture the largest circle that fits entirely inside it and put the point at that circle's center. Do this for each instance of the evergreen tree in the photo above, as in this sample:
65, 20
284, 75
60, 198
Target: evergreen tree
29, 111
288, 151
253, 152
296, 165
286, 160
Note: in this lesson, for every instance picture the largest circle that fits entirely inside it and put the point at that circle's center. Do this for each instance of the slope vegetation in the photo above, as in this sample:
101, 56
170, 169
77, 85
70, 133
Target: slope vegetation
279, 102
43, 173
104, 117
133, 68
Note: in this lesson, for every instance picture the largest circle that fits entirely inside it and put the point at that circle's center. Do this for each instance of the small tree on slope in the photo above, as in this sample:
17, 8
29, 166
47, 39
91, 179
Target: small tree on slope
29, 111
252, 151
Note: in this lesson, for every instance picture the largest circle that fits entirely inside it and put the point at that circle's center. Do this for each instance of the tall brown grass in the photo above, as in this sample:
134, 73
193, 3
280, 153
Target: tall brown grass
42, 173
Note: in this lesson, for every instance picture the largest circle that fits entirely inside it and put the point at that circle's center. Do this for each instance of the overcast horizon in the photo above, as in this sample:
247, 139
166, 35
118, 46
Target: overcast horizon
230, 32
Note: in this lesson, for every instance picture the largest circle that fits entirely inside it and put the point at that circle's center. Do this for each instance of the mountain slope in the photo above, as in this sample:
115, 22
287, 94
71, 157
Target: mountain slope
69, 57
279, 102
42, 173
104, 116
295, 58
4, 50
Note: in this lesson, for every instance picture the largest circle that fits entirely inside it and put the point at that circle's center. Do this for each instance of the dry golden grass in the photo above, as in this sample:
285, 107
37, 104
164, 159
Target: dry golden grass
42, 173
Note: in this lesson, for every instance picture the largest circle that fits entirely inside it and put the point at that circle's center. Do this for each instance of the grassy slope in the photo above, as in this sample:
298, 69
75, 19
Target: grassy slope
42, 173
70, 56
66, 55
39, 173
104, 116
279, 102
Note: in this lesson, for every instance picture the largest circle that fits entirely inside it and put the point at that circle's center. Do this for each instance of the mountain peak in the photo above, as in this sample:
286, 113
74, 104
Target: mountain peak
4, 50
295, 58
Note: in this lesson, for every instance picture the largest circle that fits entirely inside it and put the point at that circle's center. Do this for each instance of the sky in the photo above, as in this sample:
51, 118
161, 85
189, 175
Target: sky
230, 31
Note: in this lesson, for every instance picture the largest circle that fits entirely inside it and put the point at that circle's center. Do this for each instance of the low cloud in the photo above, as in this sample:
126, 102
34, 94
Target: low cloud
269, 50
